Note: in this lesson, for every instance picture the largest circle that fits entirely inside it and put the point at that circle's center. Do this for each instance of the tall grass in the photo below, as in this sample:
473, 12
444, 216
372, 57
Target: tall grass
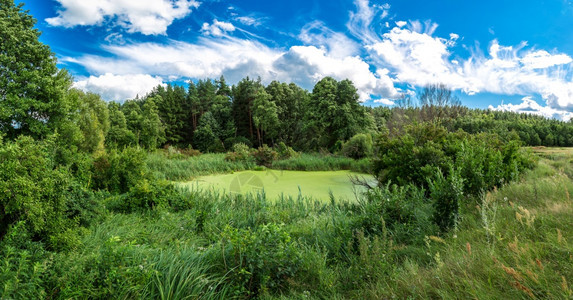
514, 242
188, 168
317, 162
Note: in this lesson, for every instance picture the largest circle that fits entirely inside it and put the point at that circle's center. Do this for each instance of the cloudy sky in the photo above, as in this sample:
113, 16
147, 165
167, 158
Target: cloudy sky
503, 54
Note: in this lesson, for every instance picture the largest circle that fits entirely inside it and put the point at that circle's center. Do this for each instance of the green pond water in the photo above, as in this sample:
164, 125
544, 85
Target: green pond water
316, 184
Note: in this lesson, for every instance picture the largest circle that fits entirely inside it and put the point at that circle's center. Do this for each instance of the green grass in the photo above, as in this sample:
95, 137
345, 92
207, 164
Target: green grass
274, 183
318, 162
188, 168
515, 242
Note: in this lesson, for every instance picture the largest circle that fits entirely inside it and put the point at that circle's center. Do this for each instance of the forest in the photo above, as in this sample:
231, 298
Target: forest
466, 203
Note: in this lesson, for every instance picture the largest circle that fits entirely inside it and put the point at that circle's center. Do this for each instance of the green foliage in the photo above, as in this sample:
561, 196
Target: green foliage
206, 138
286, 152
241, 152
359, 146
264, 156
447, 196
33, 191
484, 161
119, 170
402, 213
32, 89
260, 261
145, 195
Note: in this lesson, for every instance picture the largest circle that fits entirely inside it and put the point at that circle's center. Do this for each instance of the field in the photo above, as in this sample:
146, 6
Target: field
317, 184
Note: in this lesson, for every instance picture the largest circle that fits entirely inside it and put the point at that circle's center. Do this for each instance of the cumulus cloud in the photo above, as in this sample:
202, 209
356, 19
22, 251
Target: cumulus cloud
529, 106
149, 17
416, 57
218, 28
119, 87
236, 58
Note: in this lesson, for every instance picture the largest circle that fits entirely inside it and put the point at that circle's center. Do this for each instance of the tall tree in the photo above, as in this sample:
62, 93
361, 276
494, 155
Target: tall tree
244, 94
32, 89
152, 132
265, 116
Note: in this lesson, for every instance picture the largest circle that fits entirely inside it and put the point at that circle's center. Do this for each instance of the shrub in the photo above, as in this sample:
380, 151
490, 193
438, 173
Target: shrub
230, 142
260, 261
446, 195
241, 152
145, 195
264, 156
359, 146
33, 191
118, 171
286, 152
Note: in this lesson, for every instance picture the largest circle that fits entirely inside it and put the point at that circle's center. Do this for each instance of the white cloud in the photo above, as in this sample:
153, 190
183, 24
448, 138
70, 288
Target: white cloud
249, 21
119, 87
218, 28
306, 65
542, 59
150, 17
529, 106
337, 44
401, 23
236, 58
360, 23
418, 58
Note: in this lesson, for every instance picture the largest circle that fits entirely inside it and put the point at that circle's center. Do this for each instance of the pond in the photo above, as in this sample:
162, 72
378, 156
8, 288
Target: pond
316, 184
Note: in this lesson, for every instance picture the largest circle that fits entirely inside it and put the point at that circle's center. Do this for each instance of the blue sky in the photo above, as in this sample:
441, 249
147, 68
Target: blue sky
507, 55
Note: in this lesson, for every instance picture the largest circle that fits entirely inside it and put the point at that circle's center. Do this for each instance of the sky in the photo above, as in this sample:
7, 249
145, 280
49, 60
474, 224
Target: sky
504, 54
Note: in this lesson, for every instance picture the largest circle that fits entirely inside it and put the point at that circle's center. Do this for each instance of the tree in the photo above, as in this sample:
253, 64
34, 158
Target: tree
32, 89
205, 138
265, 115
152, 132
92, 119
334, 114
244, 94
438, 95
118, 135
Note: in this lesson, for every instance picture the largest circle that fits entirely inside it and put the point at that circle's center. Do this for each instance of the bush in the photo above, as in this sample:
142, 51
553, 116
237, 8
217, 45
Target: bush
119, 171
264, 156
446, 195
33, 191
286, 152
260, 261
241, 152
359, 146
230, 142
145, 195
484, 161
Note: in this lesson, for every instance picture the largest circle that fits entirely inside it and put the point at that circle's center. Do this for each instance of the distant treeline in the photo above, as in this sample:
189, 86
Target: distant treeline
211, 116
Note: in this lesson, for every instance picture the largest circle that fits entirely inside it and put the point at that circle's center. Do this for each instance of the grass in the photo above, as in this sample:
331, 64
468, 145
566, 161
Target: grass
515, 242
317, 162
319, 185
191, 167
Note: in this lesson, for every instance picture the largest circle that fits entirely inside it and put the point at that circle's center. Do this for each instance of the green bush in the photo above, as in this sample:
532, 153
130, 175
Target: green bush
446, 195
359, 146
120, 170
286, 152
241, 152
264, 156
145, 195
400, 212
484, 161
260, 261
33, 190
